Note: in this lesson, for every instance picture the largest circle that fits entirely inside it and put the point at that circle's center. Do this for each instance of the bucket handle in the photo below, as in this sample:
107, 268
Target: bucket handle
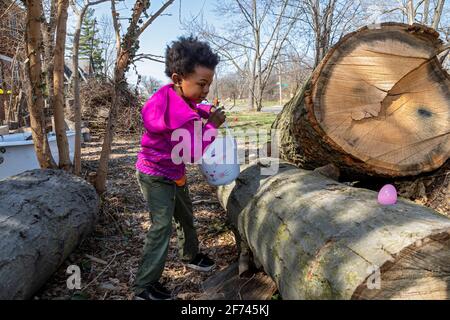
229, 134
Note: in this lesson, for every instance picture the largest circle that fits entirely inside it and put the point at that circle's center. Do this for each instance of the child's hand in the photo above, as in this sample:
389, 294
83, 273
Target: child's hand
217, 117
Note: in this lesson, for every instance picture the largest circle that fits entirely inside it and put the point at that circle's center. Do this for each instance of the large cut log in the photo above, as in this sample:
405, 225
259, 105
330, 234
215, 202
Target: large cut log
44, 215
320, 239
378, 104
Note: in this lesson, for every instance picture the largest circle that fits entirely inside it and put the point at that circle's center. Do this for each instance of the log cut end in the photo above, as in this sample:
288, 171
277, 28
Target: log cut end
382, 96
420, 271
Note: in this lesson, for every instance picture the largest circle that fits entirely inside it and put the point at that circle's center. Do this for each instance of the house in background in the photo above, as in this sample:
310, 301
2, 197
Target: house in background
84, 72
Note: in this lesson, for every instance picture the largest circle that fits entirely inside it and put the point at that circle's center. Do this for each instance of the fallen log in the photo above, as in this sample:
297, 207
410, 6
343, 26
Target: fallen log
44, 215
377, 105
320, 239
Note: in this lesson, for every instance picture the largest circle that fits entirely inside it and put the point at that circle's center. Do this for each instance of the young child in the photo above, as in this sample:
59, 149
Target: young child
191, 65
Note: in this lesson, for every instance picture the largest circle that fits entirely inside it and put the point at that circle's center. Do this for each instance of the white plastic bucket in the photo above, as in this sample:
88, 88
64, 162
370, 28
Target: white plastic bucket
17, 152
220, 164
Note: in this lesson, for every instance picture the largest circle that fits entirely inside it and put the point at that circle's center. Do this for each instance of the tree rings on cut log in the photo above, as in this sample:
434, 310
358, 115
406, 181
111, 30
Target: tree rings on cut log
378, 104
383, 97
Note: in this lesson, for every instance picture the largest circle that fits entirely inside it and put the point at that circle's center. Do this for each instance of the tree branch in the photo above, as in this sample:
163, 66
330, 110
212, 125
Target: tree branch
7, 9
154, 16
410, 11
426, 8
443, 48
246, 14
437, 14
115, 24
151, 57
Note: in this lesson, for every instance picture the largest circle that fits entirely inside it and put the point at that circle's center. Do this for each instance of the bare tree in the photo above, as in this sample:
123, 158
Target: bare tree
48, 29
58, 85
35, 95
148, 85
126, 47
328, 20
437, 14
76, 80
231, 86
410, 11
434, 14
295, 68
426, 10
252, 40
414, 11
107, 42
322, 21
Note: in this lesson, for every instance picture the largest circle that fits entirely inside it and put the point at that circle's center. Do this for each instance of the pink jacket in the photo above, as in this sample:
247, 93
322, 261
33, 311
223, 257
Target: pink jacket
162, 114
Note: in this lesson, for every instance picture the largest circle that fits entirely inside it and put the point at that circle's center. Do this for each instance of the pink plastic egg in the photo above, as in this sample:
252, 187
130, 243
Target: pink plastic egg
387, 195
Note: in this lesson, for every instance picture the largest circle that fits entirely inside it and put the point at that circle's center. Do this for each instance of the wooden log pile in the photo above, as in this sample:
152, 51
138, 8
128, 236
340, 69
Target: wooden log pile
376, 110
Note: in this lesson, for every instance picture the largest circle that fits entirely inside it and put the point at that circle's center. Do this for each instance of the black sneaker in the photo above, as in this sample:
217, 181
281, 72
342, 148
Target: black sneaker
155, 291
201, 262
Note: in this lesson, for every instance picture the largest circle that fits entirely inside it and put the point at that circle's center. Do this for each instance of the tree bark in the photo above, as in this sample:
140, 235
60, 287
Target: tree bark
76, 91
426, 10
251, 94
102, 171
58, 86
320, 239
48, 34
44, 215
33, 71
375, 106
410, 12
438, 14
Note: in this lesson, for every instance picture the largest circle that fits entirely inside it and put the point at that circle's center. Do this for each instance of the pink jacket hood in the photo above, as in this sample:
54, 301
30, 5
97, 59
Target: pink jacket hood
166, 110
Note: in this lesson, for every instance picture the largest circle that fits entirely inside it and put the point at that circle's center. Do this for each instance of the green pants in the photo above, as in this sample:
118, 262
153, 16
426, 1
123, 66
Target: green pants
165, 200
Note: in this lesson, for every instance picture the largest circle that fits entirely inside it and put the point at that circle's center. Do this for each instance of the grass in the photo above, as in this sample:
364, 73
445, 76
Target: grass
243, 123
250, 120
244, 102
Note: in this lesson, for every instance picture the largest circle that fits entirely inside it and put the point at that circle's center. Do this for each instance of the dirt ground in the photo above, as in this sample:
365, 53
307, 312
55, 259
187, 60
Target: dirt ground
109, 257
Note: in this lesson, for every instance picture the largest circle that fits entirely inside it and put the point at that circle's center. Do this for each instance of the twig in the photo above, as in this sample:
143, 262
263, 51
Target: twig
95, 259
117, 254
178, 288
246, 282
154, 16
208, 201
443, 48
151, 57
7, 9
112, 260
116, 223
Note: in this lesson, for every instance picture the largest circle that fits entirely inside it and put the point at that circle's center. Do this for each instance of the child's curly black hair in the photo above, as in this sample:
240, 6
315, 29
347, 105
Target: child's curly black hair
187, 53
